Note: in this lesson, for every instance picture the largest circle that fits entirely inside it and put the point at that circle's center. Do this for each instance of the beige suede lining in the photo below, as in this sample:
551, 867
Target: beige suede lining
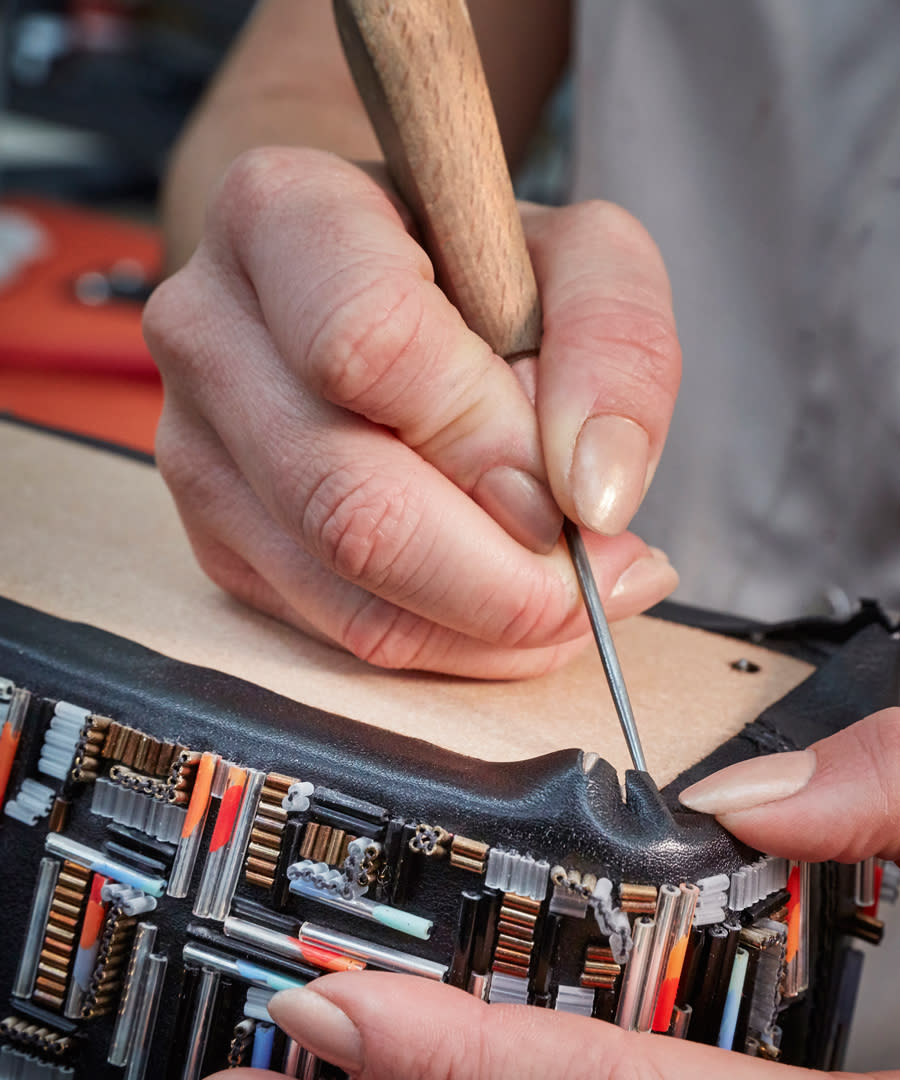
94, 537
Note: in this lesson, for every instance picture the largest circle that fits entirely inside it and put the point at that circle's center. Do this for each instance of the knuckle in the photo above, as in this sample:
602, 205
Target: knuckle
885, 726
483, 1049
272, 190
655, 360
196, 493
872, 749
182, 324
300, 190
523, 618
225, 569
235, 576
620, 230
445, 1059
639, 347
390, 637
500, 1046
251, 185
880, 738
194, 477
171, 455
362, 356
622, 1063
167, 315
362, 527
377, 635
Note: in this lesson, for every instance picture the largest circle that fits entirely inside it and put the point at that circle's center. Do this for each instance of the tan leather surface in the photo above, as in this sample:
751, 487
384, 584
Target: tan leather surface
94, 537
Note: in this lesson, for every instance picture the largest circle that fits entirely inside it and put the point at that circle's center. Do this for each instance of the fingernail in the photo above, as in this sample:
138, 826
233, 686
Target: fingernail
522, 505
752, 783
653, 574
320, 1026
609, 472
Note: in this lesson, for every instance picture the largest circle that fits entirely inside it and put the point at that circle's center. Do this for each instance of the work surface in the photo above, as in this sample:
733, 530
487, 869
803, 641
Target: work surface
94, 537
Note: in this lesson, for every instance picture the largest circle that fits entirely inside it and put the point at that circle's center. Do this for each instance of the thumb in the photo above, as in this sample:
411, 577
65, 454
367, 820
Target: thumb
396, 1027
837, 800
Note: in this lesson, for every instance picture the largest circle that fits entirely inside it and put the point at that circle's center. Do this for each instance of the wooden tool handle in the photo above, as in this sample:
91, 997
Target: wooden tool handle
418, 71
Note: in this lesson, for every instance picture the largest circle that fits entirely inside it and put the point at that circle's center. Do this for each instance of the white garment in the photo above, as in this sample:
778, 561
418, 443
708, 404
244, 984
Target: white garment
759, 142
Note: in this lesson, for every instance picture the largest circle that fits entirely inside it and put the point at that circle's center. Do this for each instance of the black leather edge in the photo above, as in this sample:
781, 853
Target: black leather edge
544, 804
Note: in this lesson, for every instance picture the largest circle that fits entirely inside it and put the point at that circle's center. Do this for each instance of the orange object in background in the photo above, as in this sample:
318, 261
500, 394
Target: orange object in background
76, 366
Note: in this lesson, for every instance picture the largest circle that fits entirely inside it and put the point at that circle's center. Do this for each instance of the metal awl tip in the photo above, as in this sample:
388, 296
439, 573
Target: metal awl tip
604, 640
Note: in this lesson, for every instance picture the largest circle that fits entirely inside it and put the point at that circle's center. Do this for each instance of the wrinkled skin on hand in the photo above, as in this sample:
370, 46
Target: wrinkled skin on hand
347, 456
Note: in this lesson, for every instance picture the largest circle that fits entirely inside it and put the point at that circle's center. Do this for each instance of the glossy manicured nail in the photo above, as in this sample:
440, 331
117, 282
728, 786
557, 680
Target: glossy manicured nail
609, 472
653, 575
522, 505
752, 783
320, 1026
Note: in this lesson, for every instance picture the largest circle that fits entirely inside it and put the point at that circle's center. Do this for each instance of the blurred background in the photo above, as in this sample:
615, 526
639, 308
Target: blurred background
92, 95
93, 92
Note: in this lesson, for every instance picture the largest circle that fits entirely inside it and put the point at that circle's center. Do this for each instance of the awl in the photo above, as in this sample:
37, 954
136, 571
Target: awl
418, 71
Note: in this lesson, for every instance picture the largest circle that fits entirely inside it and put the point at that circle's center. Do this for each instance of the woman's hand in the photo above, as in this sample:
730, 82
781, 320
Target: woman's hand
347, 456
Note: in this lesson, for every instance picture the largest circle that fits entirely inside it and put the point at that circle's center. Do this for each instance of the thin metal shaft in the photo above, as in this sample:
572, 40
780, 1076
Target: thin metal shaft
604, 641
